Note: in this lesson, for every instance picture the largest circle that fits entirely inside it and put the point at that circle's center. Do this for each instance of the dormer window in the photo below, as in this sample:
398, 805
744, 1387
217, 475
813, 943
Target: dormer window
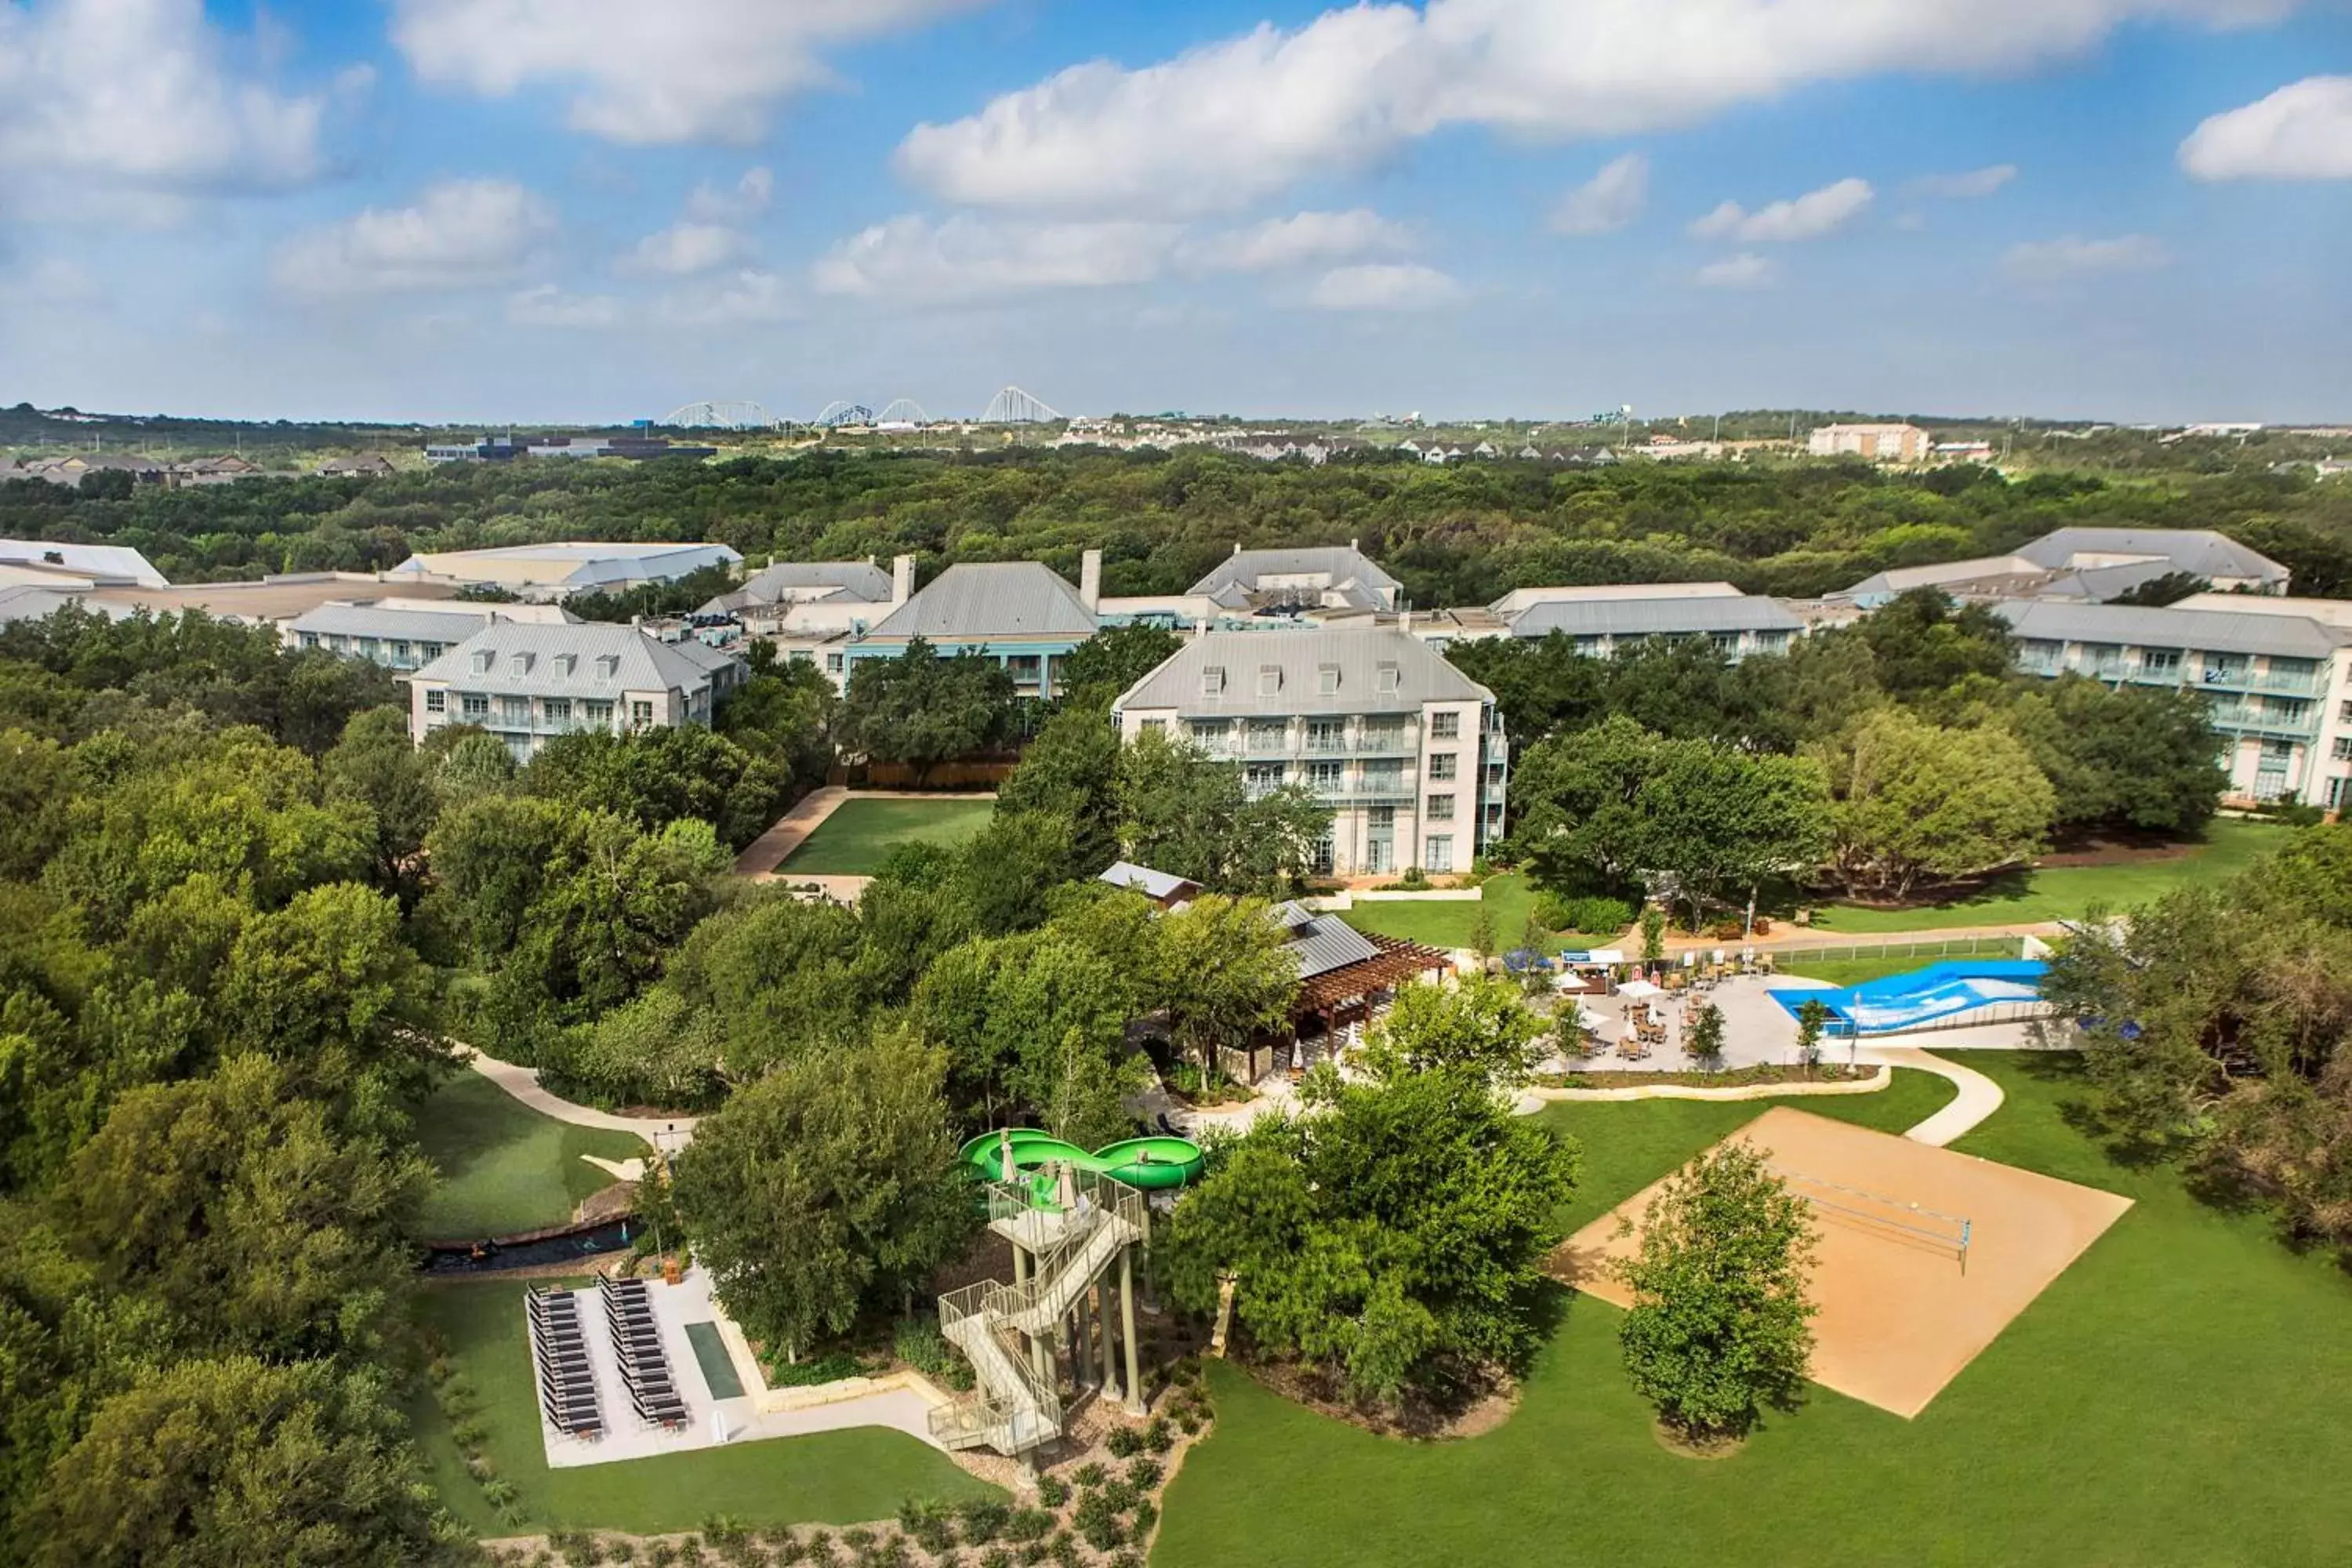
608, 666
518, 664
1269, 680
483, 659
1385, 680
566, 663
1326, 679
1212, 681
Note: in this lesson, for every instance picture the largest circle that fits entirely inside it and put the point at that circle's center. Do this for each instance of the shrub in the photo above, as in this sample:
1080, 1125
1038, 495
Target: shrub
1028, 1524
1157, 1436
1089, 1475
920, 1345
1124, 1442
1053, 1491
1596, 915
1147, 1514
816, 1369
928, 1523
499, 1492
982, 1519
1143, 1473
1097, 1518
1035, 1551
1067, 1553
1120, 1495
996, 1557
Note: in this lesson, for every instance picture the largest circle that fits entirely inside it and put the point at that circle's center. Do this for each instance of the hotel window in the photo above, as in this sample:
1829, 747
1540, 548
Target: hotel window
1326, 679
473, 707
1441, 808
1212, 681
598, 714
309, 639
1156, 727
1444, 726
2342, 750
1323, 777
1326, 736
1209, 732
833, 664
557, 709
1269, 680
1386, 678
641, 715
514, 711
1438, 853
436, 702
1260, 777
2160, 661
1381, 817
1441, 766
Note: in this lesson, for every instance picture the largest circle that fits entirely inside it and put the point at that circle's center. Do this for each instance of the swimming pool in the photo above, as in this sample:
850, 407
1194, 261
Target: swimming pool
1938, 994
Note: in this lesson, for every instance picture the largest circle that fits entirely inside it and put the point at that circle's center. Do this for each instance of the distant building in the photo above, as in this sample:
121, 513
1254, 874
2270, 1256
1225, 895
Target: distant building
527, 684
495, 450
1735, 625
1164, 889
1022, 615
72, 470
402, 635
1408, 750
106, 565
1520, 600
810, 600
2085, 566
364, 466
553, 571
1282, 582
1875, 443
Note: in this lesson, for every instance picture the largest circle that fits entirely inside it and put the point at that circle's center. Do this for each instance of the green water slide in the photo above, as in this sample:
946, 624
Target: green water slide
1152, 1164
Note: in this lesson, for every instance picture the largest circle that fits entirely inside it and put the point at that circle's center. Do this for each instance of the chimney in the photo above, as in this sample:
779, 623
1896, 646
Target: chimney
902, 580
1404, 621
1090, 579
1238, 547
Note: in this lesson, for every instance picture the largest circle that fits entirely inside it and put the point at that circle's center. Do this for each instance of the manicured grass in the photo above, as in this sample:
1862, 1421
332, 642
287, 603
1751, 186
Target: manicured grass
832, 1477
2176, 1398
1854, 971
852, 841
504, 1167
2065, 892
1506, 899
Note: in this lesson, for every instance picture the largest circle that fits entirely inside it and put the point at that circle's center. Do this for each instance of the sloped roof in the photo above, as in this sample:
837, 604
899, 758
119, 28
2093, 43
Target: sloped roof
25, 603
644, 665
1655, 617
1143, 880
2198, 550
1299, 658
107, 563
858, 579
1348, 568
451, 626
1322, 942
2217, 631
976, 600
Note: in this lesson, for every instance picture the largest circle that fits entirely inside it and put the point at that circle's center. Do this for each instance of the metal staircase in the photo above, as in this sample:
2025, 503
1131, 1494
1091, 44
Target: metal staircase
997, 1326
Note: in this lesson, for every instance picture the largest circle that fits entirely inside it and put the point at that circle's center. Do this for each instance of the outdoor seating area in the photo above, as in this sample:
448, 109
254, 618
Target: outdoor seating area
558, 1356
637, 1349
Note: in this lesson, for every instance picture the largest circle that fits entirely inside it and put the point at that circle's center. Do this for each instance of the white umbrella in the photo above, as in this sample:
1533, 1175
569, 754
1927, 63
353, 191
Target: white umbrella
1639, 988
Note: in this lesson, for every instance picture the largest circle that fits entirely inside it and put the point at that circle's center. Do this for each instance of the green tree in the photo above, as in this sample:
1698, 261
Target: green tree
327, 988
1113, 659
1221, 973
221, 1464
1720, 1327
377, 765
1923, 643
1071, 770
827, 1188
659, 1050
921, 710
1654, 934
1183, 812
1719, 821
1477, 1025
1812, 1018
1914, 804
2122, 757
1706, 1037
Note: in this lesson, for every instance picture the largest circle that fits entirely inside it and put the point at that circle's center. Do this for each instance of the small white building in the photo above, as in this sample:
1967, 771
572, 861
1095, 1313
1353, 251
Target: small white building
527, 684
1872, 443
1407, 752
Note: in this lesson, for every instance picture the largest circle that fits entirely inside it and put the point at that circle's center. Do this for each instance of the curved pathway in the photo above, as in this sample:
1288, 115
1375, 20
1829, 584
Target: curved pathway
1979, 1098
523, 1084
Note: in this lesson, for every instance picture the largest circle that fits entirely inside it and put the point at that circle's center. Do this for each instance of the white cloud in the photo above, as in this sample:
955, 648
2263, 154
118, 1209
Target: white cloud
1958, 187
1607, 202
746, 298
2071, 256
684, 249
690, 70
1296, 241
747, 199
1383, 286
549, 306
461, 234
1809, 217
143, 92
1229, 123
963, 257
1745, 270
2302, 131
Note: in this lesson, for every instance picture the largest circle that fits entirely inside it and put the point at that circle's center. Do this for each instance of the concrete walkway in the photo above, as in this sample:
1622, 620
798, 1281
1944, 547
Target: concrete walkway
671, 1131
1979, 1098
774, 847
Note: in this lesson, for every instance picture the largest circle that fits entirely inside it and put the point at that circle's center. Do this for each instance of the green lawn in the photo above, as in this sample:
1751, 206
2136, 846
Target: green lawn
1506, 899
2176, 1398
2065, 892
504, 1167
831, 1478
1854, 971
852, 841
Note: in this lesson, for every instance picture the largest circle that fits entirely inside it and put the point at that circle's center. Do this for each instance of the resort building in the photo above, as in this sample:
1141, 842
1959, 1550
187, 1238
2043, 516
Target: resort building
2277, 686
1875, 443
1736, 624
403, 634
104, 565
1407, 750
526, 684
2084, 566
548, 571
1292, 582
802, 605
1025, 615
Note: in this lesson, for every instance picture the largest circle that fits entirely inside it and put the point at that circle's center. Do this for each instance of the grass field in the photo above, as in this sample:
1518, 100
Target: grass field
504, 1167
852, 841
2173, 1399
832, 1477
1506, 899
2063, 892
1854, 971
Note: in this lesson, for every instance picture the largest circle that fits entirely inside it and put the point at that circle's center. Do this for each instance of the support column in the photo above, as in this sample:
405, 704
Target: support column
1082, 1341
1102, 1311
1126, 1327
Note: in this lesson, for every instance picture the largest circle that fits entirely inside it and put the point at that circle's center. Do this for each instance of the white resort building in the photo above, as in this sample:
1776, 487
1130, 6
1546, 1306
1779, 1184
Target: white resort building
527, 684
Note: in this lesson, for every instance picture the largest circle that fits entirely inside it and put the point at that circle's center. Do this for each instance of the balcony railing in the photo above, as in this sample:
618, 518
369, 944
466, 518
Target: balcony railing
2239, 716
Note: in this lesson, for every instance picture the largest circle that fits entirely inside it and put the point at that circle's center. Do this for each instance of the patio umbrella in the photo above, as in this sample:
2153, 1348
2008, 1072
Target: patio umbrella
1640, 988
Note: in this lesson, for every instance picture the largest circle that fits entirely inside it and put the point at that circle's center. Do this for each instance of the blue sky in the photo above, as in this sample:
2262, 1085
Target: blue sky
549, 210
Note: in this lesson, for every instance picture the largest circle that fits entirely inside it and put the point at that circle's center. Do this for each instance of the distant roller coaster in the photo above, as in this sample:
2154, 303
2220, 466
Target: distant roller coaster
839, 413
902, 411
739, 414
1014, 406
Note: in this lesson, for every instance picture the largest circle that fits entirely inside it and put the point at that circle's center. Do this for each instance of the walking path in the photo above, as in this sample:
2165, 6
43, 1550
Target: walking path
774, 847
1979, 1098
523, 1084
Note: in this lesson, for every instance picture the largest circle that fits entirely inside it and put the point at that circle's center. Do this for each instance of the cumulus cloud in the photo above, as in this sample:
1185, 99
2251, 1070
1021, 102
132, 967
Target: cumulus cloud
1232, 122
1745, 270
740, 203
963, 257
144, 92
690, 70
1809, 217
549, 306
684, 249
2071, 256
461, 234
1959, 187
745, 298
1297, 241
1383, 286
1607, 202
2302, 131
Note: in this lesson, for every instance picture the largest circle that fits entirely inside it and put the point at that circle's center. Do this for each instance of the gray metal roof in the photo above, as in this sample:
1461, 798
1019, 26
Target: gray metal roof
1144, 879
1654, 617
2217, 631
1299, 659
25, 603
856, 579
451, 626
1347, 566
2198, 550
975, 601
1323, 942
643, 664
108, 562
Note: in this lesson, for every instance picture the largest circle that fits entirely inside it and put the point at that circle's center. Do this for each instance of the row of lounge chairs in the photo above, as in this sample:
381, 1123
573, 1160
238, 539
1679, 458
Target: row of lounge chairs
558, 1354
638, 1347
